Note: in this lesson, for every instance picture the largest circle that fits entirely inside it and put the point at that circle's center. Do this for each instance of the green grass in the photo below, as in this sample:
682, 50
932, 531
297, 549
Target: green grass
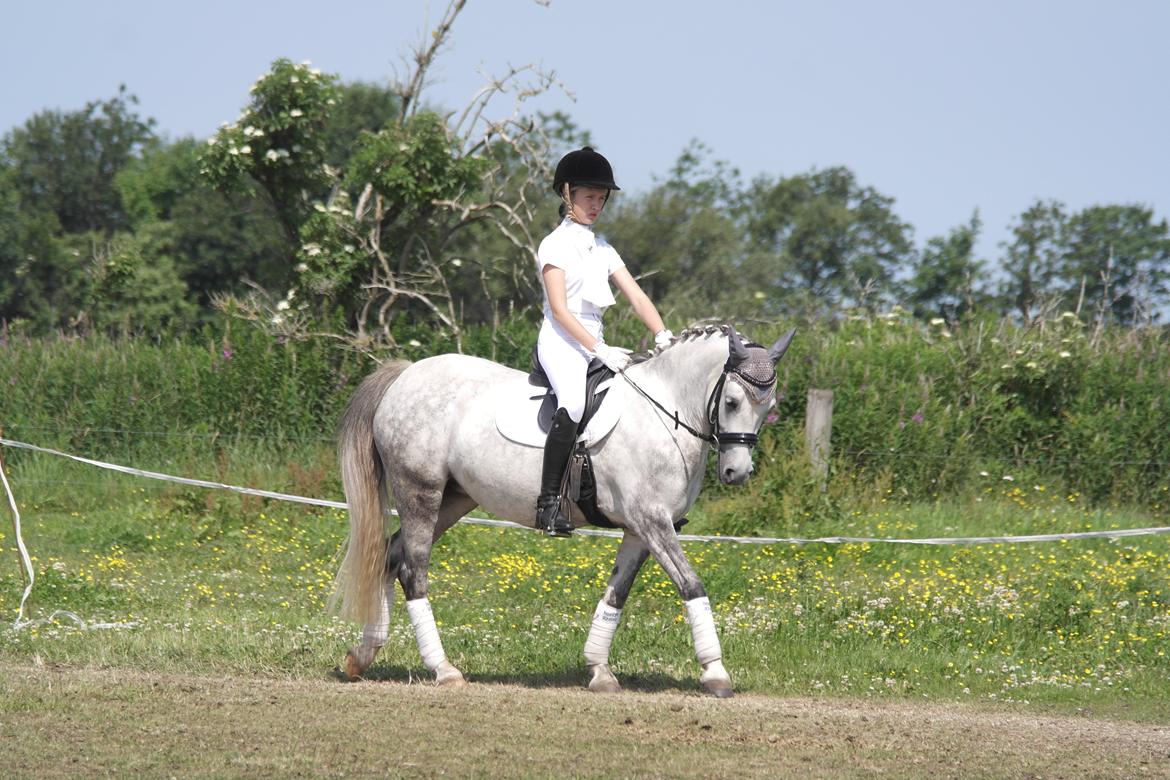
209, 582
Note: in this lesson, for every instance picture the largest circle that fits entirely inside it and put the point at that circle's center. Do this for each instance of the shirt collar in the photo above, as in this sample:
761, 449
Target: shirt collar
574, 225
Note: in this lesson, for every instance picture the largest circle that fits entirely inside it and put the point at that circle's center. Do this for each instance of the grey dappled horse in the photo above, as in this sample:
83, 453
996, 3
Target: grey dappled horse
427, 432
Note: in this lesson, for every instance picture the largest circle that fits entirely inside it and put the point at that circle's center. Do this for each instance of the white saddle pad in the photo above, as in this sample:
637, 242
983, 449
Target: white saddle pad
517, 404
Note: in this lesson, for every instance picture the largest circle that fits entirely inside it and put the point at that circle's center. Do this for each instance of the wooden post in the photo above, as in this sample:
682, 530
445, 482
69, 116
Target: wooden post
818, 431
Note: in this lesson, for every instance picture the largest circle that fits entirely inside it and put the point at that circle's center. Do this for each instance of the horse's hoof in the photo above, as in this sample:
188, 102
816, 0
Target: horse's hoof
352, 668
716, 680
447, 676
719, 691
603, 680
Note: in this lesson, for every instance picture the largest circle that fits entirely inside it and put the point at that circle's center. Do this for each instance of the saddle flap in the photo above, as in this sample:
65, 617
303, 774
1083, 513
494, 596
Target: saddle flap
524, 417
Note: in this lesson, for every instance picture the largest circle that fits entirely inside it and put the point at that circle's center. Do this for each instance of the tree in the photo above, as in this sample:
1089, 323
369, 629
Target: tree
823, 234
220, 242
360, 107
137, 289
1033, 258
387, 244
1116, 260
682, 240
948, 281
64, 163
276, 147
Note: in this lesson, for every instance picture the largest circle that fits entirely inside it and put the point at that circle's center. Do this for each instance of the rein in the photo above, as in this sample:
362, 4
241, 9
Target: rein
716, 438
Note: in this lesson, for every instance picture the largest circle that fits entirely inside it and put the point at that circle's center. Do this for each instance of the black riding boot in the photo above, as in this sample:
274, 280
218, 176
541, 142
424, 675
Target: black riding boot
557, 448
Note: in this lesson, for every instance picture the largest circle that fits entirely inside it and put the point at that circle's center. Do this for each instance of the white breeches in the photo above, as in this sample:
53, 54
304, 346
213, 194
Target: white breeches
564, 360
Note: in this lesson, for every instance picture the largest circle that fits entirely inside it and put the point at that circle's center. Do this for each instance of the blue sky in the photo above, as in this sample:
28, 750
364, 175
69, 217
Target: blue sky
944, 106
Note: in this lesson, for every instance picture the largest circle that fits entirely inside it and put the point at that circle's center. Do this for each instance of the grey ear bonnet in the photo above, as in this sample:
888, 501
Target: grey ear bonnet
755, 373
755, 366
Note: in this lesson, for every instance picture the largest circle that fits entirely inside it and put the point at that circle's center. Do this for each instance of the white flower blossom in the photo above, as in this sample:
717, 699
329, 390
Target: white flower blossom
300, 268
245, 149
296, 112
282, 306
211, 141
293, 80
415, 343
233, 150
1065, 353
271, 155
938, 321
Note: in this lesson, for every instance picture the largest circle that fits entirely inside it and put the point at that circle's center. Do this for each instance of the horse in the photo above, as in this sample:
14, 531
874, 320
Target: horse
426, 431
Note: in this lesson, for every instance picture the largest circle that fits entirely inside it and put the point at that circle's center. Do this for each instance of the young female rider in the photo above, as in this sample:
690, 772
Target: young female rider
575, 267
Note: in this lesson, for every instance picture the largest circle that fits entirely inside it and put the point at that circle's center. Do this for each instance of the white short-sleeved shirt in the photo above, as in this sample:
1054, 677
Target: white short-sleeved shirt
587, 262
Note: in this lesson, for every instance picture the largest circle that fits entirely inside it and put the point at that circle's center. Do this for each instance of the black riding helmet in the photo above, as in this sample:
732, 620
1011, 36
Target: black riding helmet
583, 168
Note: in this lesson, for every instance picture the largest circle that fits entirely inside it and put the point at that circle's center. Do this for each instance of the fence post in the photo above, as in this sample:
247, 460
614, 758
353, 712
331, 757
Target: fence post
818, 431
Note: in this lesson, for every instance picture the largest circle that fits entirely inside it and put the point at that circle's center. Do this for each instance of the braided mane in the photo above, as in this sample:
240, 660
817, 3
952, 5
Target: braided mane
692, 333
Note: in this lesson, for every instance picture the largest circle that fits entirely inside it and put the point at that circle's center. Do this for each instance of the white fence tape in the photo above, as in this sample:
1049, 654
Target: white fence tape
960, 540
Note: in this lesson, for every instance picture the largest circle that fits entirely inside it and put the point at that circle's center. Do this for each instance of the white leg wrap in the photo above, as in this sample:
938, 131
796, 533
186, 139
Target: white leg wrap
703, 630
374, 634
430, 647
605, 623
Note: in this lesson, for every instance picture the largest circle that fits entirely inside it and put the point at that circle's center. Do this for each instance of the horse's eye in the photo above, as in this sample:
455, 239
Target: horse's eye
732, 404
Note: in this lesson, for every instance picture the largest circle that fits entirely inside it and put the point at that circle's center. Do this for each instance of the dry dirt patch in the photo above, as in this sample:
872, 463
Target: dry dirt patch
65, 722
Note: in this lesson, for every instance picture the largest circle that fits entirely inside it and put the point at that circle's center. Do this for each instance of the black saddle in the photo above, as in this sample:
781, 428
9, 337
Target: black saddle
595, 374
579, 485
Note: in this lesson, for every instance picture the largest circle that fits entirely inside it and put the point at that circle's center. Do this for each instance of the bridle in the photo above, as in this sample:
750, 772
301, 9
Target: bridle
717, 438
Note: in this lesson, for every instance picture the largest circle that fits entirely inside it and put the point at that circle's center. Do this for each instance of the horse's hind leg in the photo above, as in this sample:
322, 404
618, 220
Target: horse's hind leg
630, 556
418, 536
455, 505
358, 659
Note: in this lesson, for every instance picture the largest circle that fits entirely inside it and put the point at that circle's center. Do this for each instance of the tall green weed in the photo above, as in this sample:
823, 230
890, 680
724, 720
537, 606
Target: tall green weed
922, 412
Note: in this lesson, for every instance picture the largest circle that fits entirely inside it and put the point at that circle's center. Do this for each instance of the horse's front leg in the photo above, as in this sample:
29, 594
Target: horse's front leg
630, 556
662, 541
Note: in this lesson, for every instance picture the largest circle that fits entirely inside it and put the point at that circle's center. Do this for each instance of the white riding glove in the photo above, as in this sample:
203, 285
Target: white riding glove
663, 338
615, 358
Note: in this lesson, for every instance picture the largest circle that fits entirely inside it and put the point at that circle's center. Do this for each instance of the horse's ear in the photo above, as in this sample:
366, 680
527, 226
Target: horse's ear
777, 350
735, 345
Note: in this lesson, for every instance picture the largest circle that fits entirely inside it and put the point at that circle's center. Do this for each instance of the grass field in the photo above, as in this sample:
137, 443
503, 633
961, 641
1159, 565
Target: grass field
215, 585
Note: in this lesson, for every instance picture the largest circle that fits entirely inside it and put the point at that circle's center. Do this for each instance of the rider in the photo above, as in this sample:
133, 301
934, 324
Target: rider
574, 266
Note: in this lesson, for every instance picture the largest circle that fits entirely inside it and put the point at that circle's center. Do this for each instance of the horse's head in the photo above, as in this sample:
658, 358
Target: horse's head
744, 395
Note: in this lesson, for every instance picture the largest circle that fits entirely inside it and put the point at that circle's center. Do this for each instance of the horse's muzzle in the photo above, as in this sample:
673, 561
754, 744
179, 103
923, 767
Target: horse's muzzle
733, 476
